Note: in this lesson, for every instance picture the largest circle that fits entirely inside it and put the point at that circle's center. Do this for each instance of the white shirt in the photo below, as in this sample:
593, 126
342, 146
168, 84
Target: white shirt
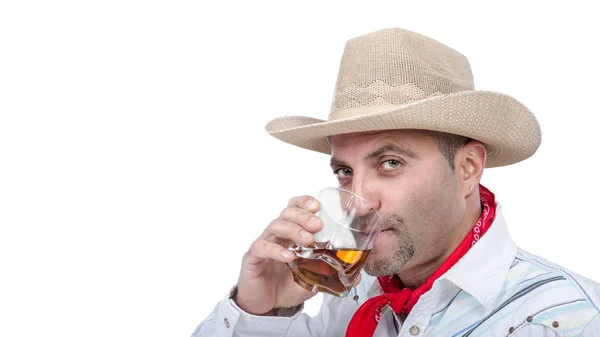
496, 289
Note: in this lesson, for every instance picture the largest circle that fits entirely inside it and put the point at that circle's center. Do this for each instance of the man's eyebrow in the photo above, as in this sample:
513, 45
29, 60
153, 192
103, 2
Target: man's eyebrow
392, 148
334, 162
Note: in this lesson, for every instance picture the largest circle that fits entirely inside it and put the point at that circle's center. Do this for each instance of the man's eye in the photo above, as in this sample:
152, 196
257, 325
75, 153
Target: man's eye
342, 173
390, 164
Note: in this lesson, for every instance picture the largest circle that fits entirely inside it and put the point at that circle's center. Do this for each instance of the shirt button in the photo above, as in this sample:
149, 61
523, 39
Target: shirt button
355, 297
414, 330
226, 322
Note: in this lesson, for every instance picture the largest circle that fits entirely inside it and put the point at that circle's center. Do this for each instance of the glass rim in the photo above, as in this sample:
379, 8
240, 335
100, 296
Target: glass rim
357, 196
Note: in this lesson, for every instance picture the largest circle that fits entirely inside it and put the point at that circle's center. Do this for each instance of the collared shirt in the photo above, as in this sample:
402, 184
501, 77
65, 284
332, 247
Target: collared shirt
496, 289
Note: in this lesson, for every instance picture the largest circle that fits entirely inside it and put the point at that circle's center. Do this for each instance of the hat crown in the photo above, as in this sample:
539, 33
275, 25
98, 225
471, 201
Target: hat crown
395, 66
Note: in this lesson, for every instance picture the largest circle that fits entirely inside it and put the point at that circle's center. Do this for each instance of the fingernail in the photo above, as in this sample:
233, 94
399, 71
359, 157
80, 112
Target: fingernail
305, 234
287, 254
312, 204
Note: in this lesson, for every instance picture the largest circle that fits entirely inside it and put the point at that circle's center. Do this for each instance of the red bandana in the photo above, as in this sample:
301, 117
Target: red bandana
402, 300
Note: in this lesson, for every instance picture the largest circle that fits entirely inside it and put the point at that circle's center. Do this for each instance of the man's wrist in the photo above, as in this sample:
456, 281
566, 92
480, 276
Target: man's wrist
276, 312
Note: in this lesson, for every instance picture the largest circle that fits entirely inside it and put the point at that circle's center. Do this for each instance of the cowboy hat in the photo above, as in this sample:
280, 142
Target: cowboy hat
398, 79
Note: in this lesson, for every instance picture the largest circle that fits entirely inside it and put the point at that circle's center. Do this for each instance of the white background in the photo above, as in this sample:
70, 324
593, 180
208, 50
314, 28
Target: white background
135, 172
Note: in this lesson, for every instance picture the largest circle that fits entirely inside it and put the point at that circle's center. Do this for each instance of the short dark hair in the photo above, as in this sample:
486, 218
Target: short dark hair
448, 143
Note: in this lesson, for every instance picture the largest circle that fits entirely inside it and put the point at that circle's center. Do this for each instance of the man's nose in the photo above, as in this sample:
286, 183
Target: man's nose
367, 198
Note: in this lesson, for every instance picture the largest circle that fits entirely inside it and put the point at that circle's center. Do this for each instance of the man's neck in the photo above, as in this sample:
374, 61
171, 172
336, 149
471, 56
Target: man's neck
413, 276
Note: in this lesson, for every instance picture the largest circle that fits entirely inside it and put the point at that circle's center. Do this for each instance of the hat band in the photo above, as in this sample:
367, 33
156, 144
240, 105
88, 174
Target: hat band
371, 109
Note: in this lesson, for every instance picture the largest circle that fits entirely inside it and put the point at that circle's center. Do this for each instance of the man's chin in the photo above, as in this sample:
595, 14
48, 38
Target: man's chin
370, 272
388, 264
380, 268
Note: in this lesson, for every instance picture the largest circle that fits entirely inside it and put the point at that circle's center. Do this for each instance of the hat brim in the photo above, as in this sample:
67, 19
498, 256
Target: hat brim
509, 131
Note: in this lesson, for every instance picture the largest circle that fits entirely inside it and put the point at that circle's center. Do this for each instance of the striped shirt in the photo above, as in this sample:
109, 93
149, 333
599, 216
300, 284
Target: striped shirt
496, 289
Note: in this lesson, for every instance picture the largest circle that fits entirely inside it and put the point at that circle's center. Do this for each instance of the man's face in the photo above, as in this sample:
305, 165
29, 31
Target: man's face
404, 175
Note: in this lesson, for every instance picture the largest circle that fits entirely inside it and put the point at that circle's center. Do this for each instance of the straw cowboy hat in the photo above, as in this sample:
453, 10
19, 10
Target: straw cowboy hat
398, 79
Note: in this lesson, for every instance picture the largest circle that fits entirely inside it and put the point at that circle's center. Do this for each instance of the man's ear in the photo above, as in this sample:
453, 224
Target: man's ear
469, 164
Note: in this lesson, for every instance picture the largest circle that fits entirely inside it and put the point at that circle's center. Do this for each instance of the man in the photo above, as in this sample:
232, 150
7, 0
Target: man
408, 132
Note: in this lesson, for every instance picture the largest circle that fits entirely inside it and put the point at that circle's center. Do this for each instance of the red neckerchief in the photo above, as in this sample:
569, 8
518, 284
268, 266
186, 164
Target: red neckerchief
402, 300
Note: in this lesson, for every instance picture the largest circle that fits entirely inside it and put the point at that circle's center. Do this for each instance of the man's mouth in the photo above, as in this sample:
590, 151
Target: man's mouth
387, 229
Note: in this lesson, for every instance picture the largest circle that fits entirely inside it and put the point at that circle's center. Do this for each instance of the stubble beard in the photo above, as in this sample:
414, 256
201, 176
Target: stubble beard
393, 262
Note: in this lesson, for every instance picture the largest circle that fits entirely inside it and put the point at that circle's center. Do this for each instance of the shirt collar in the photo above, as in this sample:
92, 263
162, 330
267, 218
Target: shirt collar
482, 271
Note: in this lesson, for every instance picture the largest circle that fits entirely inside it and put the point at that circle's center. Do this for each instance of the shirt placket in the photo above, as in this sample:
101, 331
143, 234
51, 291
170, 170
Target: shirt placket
417, 321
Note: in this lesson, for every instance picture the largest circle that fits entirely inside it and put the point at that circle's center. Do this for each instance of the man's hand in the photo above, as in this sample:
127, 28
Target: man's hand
266, 282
